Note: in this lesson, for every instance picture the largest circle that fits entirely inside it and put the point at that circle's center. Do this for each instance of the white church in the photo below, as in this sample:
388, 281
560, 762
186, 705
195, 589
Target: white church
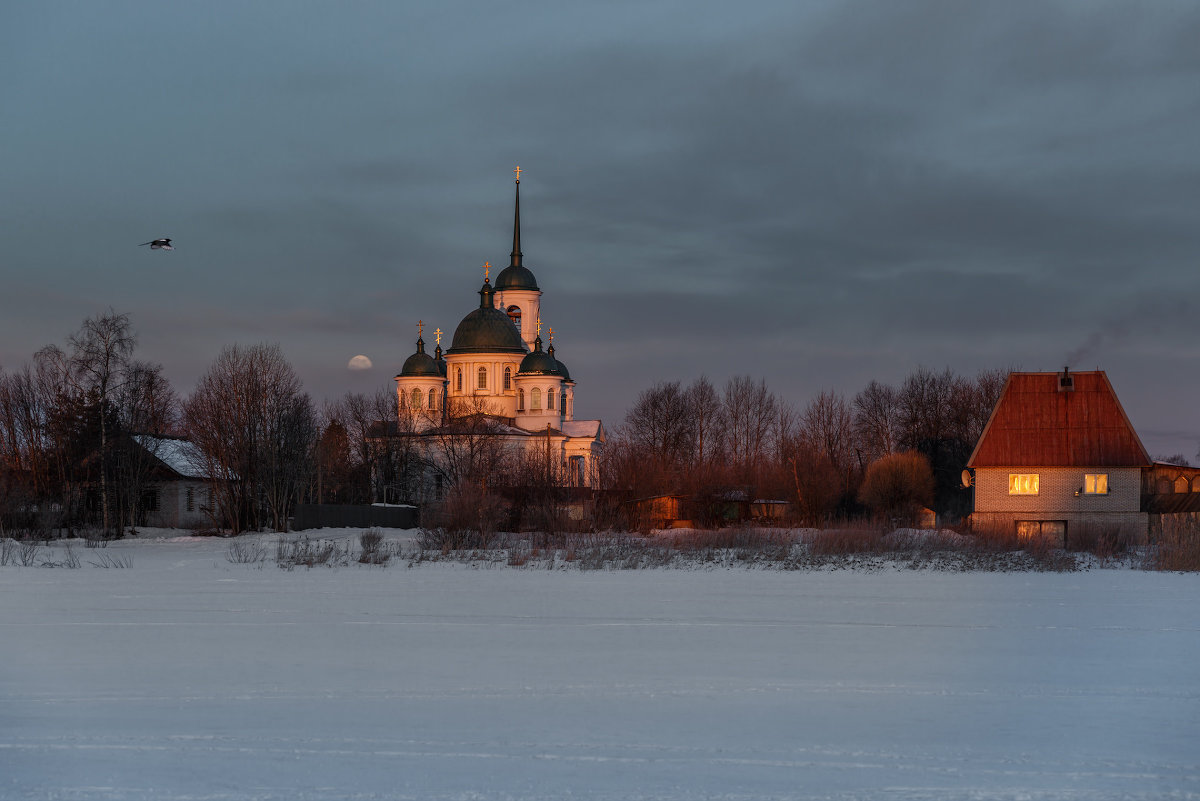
496, 367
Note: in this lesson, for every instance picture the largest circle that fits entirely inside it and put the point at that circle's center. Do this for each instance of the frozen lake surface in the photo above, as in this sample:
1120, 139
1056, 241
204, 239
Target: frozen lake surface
185, 676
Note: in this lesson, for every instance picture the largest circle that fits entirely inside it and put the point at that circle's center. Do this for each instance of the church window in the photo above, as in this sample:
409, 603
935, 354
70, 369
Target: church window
562, 402
432, 399
521, 400
514, 314
458, 380
482, 383
507, 379
535, 399
550, 400
416, 399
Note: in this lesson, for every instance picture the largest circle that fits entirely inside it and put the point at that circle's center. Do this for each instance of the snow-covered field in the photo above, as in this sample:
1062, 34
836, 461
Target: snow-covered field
184, 676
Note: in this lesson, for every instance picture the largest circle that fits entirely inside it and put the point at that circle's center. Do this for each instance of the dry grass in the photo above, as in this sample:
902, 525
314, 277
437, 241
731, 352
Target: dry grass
845, 541
1106, 542
1178, 546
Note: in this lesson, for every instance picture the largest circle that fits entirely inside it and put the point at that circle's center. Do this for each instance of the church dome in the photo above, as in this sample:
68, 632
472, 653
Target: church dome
420, 364
516, 276
486, 330
562, 368
538, 362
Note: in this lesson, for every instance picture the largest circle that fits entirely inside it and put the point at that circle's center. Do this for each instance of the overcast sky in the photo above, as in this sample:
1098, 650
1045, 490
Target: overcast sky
814, 193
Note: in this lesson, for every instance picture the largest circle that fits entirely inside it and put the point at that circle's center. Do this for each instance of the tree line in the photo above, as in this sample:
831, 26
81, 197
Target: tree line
72, 454
887, 449
82, 427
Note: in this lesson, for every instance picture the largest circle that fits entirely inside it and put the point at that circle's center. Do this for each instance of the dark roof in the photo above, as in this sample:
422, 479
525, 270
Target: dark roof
486, 330
516, 276
420, 364
562, 368
1038, 424
538, 362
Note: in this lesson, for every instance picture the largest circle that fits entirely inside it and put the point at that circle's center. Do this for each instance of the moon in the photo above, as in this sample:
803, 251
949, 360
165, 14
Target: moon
360, 362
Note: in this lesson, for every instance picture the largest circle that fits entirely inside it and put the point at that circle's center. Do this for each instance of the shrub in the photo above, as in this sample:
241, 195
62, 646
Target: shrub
371, 547
897, 486
243, 552
108, 561
468, 518
306, 553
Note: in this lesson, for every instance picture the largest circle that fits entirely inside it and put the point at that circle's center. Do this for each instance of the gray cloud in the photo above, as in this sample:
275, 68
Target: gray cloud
818, 193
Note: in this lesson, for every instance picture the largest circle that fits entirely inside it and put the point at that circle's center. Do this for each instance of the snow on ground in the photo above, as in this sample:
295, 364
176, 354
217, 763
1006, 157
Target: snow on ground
185, 676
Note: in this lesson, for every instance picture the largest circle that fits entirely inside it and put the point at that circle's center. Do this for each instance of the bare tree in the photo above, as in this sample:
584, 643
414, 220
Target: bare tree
256, 428
96, 365
876, 420
470, 445
658, 424
750, 410
827, 425
146, 404
705, 417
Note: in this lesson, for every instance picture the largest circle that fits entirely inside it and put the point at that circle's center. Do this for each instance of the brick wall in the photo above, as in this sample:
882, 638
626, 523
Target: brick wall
1056, 499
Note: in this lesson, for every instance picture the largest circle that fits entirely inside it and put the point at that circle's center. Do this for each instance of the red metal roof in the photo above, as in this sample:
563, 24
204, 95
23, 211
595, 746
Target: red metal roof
1035, 424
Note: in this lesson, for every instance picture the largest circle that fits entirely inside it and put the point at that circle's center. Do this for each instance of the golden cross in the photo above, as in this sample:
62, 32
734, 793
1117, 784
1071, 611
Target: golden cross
551, 330
487, 271
420, 328
438, 334
518, 172
539, 325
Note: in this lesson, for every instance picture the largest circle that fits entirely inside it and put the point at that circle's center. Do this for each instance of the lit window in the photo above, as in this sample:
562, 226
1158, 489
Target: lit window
1022, 483
1095, 484
507, 379
535, 399
482, 383
416, 399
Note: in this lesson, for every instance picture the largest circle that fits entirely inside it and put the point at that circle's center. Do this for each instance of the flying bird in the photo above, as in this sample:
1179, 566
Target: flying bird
159, 244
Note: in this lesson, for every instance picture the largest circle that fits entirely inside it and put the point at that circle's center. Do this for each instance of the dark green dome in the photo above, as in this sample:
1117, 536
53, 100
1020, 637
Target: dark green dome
516, 276
538, 362
486, 330
420, 364
562, 368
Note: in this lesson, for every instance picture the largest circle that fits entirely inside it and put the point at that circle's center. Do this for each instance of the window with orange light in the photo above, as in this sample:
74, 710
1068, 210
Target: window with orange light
1022, 483
1095, 484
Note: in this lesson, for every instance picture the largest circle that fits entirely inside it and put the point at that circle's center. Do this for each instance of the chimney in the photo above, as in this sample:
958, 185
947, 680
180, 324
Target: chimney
1065, 382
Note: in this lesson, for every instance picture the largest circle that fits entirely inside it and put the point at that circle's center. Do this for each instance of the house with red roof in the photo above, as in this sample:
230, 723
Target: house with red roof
1059, 453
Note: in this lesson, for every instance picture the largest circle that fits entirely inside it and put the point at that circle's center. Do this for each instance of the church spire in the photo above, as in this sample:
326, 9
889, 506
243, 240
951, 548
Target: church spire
516, 251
